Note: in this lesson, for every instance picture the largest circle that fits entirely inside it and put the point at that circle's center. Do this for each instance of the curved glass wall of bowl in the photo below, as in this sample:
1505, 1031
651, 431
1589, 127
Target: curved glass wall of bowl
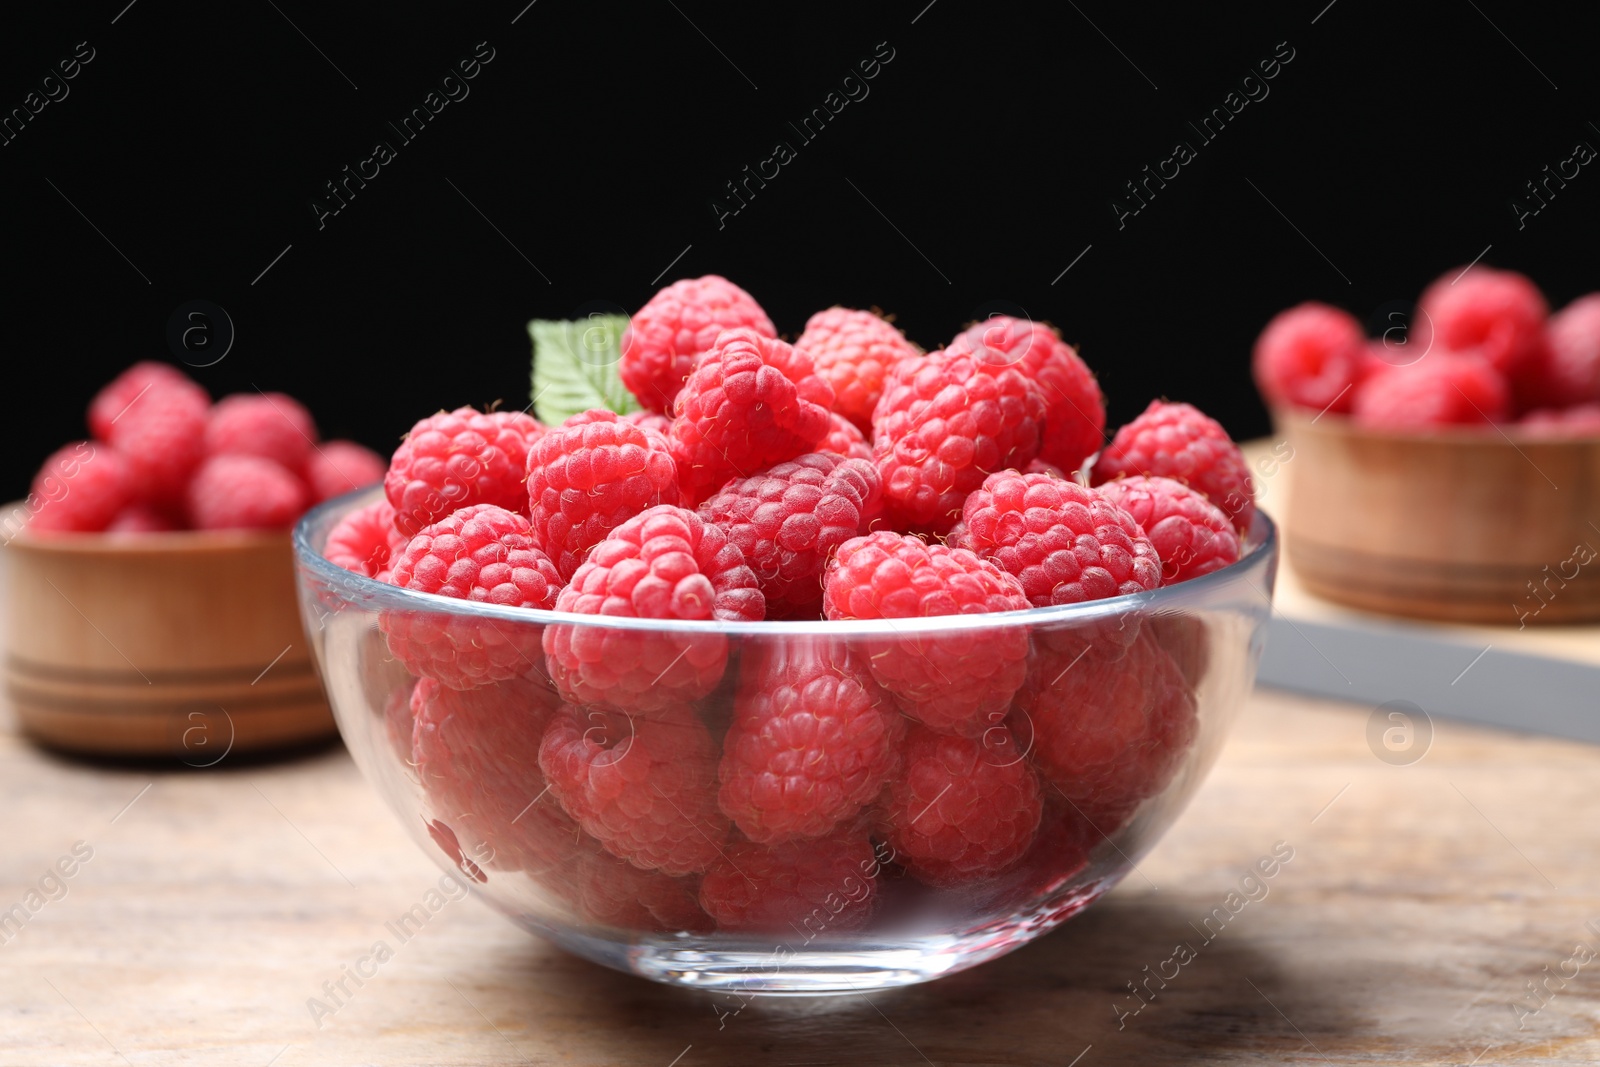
650, 836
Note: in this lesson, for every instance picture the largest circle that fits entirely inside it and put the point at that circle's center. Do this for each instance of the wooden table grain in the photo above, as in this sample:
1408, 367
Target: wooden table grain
1438, 912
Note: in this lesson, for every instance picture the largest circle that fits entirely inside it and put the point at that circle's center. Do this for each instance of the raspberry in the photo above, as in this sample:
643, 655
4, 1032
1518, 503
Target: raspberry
666, 563
959, 682
1075, 411
587, 478
612, 892
853, 350
141, 518
664, 338
270, 425
956, 813
813, 740
161, 435
649, 420
1567, 369
1499, 315
245, 493
752, 401
1445, 390
788, 519
481, 553
944, 422
1575, 421
1063, 541
339, 467
79, 487
816, 887
1190, 534
1107, 727
477, 756
364, 540
1039, 466
845, 439
646, 788
111, 402
1180, 442
399, 723
458, 458
1310, 356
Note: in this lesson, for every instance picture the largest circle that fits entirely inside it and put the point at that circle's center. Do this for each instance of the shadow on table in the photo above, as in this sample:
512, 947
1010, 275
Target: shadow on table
1045, 1003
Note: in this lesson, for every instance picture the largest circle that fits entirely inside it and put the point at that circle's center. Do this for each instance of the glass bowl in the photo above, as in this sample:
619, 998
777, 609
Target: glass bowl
1080, 734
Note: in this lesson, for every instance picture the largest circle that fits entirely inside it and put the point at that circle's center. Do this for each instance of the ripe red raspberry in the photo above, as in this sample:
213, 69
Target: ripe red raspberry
1178, 441
853, 350
480, 553
819, 888
1039, 466
843, 438
1574, 422
270, 425
1075, 411
1567, 368
586, 478
675, 326
161, 435
1440, 391
1310, 357
339, 467
959, 811
649, 420
79, 487
943, 424
1064, 542
142, 518
1499, 315
615, 893
364, 540
111, 402
752, 401
666, 563
1108, 727
245, 493
459, 458
788, 519
645, 787
1190, 534
477, 756
958, 682
813, 740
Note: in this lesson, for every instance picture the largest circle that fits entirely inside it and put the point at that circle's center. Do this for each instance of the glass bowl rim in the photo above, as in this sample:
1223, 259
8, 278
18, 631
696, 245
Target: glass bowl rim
1262, 545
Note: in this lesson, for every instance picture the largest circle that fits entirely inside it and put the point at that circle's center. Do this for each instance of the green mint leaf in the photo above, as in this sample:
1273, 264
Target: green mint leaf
575, 367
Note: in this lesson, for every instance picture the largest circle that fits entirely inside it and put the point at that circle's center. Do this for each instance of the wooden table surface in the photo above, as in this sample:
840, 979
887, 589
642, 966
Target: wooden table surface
1420, 903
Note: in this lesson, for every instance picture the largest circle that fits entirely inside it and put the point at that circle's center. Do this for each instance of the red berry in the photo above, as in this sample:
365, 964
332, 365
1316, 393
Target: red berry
1310, 357
245, 493
960, 682
646, 788
613, 892
161, 435
853, 350
788, 519
142, 518
1180, 442
113, 401
1496, 314
1063, 541
817, 888
943, 424
1565, 422
1443, 390
649, 420
80, 487
270, 425
1075, 411
364, 540
961, 809
1190, 534
844, 439
459, 458
338, 467
1567, 368
666, 563
813, 740
752, 401
664, 338
586, 478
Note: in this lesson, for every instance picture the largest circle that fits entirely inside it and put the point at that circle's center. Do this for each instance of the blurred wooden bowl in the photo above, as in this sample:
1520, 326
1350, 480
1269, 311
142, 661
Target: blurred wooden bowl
185, 645
1463, 525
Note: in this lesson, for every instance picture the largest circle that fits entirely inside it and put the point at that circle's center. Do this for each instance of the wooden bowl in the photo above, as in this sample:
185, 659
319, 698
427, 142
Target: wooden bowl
184, 645
1464, 525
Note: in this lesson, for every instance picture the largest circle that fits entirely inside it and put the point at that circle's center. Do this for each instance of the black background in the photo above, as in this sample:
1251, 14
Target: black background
982, 162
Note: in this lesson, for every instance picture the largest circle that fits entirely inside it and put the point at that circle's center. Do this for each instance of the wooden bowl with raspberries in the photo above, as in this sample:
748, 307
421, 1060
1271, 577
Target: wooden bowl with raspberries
1450, 472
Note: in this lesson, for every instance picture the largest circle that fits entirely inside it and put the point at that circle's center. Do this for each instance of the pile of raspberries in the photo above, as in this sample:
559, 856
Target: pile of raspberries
697, 778
164, 457
1482, 349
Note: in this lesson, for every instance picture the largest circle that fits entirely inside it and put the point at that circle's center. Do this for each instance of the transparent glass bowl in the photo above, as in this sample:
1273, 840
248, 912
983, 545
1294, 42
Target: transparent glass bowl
1122, 707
